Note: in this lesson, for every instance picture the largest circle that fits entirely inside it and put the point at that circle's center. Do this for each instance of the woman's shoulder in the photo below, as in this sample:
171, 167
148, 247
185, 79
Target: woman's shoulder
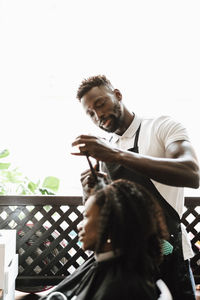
117, 283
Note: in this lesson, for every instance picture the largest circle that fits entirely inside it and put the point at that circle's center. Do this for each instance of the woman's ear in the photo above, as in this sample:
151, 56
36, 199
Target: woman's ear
118, 94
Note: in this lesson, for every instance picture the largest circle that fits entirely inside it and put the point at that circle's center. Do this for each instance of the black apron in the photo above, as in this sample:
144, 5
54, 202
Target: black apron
174, 270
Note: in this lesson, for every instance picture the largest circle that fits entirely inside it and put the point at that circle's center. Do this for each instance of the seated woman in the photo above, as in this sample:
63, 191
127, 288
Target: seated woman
124, 226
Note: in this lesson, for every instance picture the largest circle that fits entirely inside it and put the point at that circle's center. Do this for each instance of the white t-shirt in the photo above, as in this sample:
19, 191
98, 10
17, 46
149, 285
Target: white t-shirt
155, 136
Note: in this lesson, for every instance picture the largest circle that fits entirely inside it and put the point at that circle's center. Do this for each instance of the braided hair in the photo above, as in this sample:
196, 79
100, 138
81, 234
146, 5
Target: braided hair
132, 219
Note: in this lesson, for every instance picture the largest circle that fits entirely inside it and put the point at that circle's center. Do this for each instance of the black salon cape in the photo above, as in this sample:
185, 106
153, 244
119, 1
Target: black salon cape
105, 280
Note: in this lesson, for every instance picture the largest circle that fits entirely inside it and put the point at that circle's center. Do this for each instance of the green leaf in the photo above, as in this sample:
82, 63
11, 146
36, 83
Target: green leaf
4, 166
4, 153
32, 186
51, 183
10, 177
45, 192
13, 176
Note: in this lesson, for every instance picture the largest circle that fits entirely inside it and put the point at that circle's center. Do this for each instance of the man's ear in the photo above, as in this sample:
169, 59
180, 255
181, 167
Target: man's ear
118, 94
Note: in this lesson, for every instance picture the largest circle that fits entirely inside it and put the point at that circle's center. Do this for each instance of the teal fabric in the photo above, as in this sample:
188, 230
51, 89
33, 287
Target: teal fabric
167, 247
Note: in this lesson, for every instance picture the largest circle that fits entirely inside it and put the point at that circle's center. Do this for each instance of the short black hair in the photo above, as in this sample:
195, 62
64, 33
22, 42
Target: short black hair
89, 83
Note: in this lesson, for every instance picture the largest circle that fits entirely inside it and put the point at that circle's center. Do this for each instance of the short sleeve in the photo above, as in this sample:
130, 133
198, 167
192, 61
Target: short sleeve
169, 131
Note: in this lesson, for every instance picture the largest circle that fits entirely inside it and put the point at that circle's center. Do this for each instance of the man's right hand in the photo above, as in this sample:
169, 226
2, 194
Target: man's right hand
94, 146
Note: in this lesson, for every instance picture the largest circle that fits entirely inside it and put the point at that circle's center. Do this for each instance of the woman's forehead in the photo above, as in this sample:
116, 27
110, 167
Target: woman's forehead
89, 203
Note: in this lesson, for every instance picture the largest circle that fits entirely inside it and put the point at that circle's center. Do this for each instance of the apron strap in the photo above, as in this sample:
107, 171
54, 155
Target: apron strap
136, 140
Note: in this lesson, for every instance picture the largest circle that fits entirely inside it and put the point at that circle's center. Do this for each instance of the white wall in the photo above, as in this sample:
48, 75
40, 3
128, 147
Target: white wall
148, 49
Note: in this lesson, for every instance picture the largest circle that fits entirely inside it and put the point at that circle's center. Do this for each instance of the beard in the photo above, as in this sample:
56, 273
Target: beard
115, 119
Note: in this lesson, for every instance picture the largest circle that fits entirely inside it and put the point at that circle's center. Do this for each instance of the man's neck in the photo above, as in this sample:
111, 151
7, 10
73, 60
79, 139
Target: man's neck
127, 120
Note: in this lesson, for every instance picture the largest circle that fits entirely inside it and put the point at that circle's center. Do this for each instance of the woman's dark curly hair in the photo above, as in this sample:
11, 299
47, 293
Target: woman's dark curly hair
132, 219
89, 83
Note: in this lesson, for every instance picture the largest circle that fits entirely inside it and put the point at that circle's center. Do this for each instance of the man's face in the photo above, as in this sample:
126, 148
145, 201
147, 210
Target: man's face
88, 228
104, 107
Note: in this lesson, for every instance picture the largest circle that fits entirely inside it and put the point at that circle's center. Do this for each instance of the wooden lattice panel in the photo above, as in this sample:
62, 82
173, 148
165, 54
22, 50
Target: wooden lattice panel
191, 220
47, 236
47, 241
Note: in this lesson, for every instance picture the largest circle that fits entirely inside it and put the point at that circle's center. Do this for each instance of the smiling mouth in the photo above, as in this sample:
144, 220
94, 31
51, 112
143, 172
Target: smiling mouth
105, 123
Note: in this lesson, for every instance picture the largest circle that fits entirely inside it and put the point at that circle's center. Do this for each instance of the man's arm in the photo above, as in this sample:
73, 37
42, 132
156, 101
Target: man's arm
179, 167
